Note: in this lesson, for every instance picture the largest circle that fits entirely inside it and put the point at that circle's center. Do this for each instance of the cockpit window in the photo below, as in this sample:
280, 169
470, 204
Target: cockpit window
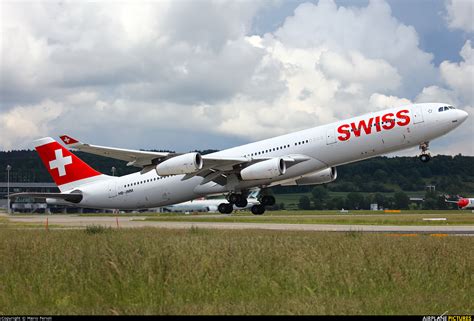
445, 108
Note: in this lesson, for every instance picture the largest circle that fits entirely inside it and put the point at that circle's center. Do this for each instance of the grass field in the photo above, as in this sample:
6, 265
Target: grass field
155, 271
280, 213
295, 218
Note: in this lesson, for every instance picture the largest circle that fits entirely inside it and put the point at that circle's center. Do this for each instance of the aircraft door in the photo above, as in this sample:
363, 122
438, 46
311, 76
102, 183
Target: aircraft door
417, 115
330, 136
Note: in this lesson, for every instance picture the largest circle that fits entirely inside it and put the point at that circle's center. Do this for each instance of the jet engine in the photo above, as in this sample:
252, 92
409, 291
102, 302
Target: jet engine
182, 164
270, 168
321, 177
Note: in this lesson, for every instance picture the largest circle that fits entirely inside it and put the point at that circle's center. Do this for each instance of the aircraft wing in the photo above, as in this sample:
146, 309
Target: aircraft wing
70, 197
215, 168
136, 158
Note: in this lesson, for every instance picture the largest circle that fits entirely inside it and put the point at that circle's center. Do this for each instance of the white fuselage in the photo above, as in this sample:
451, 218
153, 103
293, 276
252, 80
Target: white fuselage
326, 146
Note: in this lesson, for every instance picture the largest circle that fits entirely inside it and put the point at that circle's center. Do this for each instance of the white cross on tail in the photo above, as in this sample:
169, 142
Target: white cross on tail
60, 162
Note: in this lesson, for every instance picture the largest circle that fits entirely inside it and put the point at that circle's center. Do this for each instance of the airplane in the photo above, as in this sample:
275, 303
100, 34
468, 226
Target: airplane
210, 205
306, 157
463, 203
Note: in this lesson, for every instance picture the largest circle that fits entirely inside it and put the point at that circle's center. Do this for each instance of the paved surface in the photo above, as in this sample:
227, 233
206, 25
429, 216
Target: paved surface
73, 221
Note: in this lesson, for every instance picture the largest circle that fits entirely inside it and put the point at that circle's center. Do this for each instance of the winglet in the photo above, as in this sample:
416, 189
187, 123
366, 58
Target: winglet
68, 140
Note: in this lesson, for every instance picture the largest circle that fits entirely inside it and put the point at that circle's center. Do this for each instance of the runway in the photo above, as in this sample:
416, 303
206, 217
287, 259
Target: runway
74, 221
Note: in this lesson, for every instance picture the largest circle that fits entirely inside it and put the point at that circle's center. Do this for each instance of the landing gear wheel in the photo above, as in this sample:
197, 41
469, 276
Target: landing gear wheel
425, 158
267, 200
234, 198
230, 208
222, 208
241, 202
258, 209
225, 208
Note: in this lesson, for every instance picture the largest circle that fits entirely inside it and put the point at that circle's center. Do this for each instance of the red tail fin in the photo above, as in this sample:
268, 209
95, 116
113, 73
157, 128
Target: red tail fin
62, 165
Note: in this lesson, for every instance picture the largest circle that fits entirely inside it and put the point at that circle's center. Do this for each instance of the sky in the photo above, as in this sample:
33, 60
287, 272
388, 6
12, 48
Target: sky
186, 75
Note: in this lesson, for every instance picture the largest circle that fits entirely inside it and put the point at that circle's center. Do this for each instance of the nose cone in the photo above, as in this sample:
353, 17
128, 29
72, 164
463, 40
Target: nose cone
462, 115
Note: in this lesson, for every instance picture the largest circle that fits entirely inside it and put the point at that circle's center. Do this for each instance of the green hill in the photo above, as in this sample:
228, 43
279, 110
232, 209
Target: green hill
373, 179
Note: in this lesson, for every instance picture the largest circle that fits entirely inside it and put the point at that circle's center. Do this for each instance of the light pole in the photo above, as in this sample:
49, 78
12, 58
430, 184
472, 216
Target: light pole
8, 188
114, 210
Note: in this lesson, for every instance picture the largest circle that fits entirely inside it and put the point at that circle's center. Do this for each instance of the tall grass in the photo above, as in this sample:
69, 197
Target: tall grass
198, 271
383, 219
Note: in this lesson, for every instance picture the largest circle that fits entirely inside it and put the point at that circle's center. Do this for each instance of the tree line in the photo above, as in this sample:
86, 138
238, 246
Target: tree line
320, 199
382, 180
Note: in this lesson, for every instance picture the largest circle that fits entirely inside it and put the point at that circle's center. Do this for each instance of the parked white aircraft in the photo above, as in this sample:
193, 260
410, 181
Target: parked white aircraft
210, 205
302, 158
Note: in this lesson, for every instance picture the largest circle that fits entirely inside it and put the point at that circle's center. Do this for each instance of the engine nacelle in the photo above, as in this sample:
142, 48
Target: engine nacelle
182, 164
270, 168
322, 177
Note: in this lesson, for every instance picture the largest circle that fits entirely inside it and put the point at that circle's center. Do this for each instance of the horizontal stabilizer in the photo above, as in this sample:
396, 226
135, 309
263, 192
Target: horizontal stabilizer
69, 197
135, 158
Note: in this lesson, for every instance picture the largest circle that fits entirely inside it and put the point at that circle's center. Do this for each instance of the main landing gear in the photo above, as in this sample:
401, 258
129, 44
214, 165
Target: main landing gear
425, 154
265, 200
225, 208
240, 200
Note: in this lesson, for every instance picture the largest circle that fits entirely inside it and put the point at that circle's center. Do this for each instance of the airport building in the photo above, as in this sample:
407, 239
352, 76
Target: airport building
25, 205
30, 205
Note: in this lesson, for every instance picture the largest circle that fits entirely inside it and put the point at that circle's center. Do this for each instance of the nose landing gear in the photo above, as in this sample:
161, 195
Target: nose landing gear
425, 154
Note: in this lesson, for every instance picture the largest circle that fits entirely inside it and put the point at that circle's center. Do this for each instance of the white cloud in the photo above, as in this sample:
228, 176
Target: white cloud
458, 90
460, 14
460, 76
23, 123
354, 68
437, 94
145, 74
379, 101
371, 31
